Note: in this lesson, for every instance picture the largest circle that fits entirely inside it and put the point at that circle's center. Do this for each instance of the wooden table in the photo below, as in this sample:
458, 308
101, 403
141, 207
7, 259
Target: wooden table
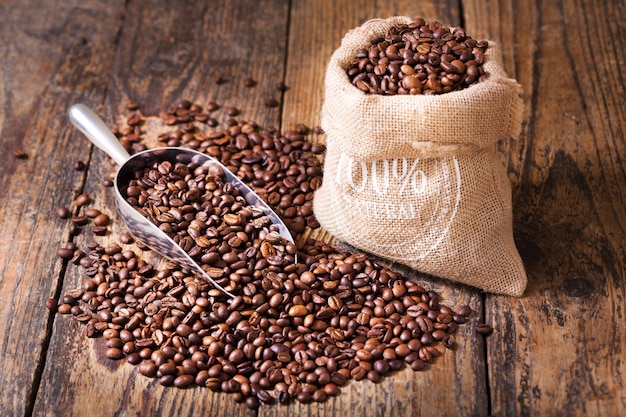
558, 350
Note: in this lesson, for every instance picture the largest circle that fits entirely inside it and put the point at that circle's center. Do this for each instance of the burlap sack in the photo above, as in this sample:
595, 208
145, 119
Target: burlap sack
415, 179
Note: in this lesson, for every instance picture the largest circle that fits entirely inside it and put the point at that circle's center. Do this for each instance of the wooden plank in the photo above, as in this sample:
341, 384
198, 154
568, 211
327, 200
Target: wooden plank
46, 63
455, 383
166, 52
560, 348
169, 52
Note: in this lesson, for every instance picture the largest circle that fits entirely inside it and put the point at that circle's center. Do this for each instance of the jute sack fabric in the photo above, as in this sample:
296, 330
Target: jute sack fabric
415, 179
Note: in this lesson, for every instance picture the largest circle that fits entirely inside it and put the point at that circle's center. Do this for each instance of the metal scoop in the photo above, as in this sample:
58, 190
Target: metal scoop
97, 132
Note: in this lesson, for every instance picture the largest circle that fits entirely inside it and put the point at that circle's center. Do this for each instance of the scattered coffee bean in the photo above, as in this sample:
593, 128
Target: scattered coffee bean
81, 200
99, 230
19, 154
249, 82
74, 229
148, 368
126, 238
51, 304
80, 220
449, 342
79, 165
65, 253
62, 212
92, 212
232, 111
270, 102
465, 310
484, 329
212, 106
101, 220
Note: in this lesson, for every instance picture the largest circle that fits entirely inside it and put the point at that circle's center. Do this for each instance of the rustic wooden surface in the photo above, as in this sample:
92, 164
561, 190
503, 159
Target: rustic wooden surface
558, 350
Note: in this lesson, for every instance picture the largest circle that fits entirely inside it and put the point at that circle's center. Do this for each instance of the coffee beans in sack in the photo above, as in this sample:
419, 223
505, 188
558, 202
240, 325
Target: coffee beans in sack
412, 113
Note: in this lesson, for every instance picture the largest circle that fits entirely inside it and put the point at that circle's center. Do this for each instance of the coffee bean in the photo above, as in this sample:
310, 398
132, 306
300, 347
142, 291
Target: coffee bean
232, 111
101, 220
439, 334
92, 212
62, 212
80, 220
484, 329
81, 200
148, 368
126, 238
184, 381
109, 333
358, 373
418, 365
51, 304
373, 376
19, 153
99, 230
319, 396
270, 102
65, 253
114, 353
252, 403
64, 308
449, 342
464, 310
459, 319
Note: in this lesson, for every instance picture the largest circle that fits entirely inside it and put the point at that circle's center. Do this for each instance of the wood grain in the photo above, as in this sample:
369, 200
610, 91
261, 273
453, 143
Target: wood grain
50, 64
560, 349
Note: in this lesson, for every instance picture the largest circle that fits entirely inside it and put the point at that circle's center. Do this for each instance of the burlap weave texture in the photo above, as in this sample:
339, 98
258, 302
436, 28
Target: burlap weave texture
415, 179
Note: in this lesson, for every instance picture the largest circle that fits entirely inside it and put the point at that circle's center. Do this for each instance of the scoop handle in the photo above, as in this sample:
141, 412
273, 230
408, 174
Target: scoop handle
97, 132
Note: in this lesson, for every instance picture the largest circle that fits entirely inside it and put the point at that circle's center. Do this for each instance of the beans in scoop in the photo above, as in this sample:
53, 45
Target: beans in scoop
206, 215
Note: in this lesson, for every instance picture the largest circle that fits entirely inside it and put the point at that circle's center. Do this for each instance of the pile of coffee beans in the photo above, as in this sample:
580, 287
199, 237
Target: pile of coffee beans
206, 215
299, 328
418, 58
283, 168
307, 329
